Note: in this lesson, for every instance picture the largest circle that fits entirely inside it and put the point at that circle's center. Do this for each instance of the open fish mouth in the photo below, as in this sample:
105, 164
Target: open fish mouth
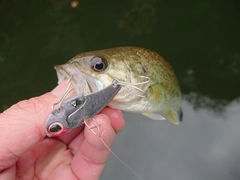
82, 83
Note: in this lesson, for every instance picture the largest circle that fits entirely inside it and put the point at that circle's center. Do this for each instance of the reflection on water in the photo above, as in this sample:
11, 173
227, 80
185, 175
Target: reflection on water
201, 101
203, 147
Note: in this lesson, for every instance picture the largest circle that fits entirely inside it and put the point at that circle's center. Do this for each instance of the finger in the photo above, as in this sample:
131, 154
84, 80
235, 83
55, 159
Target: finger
114, 115
91, 156
8, 173
49, 159
23, 125
117, 122
116, 118
68, 137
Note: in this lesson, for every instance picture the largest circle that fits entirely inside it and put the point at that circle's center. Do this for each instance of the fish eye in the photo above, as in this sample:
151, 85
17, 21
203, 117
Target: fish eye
98, 63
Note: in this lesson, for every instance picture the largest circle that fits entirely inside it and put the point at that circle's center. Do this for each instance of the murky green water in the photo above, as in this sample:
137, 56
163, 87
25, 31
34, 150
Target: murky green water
200, 39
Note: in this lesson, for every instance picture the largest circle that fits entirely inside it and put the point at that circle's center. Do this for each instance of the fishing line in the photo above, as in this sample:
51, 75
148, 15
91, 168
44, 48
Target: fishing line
100, 137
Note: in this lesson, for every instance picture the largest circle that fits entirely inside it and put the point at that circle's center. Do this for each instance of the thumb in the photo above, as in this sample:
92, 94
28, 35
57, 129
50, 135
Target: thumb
22, 126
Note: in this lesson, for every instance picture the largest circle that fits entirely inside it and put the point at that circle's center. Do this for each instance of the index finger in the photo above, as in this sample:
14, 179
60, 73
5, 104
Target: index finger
23, 125
91, 152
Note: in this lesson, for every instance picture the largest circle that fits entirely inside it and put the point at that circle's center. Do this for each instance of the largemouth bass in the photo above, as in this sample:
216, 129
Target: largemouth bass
149, 85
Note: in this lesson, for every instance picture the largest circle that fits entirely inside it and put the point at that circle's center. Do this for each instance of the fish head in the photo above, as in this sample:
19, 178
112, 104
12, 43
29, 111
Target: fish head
96, 70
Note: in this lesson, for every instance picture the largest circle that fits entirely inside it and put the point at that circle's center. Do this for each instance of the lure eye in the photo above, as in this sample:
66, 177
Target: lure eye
99, 63
55, 129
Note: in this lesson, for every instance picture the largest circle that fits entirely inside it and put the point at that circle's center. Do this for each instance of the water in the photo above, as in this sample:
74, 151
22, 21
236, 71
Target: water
200, 39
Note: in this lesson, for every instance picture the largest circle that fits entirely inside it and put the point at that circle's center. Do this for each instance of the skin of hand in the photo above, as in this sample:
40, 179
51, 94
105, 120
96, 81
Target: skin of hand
26, 152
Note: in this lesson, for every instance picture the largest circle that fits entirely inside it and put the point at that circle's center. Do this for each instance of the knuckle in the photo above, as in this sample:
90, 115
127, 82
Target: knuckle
32, 105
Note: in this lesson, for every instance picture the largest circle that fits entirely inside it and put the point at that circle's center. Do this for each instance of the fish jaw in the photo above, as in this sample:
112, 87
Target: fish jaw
82, 83
66, 71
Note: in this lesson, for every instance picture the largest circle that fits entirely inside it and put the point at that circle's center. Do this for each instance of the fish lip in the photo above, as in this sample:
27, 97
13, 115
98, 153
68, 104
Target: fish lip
82, 83
65, 72
61, 73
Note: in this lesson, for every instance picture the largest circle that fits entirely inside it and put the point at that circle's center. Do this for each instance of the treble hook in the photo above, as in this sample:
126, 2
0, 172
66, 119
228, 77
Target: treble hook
92, 127
134, 85
68, 89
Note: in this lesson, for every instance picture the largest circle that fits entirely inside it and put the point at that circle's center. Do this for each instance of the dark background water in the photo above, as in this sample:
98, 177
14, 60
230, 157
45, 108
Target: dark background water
200, 39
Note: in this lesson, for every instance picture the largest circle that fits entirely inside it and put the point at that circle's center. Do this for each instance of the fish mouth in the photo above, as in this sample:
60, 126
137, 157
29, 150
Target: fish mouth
83, 84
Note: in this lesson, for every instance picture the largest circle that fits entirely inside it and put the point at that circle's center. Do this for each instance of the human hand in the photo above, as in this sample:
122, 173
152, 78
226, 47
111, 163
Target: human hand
26, 153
